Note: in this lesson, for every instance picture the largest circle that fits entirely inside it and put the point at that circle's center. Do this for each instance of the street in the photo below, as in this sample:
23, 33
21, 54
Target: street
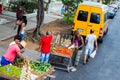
105, 66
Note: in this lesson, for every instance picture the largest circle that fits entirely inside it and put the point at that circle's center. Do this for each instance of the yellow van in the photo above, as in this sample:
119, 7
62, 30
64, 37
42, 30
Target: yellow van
91, 15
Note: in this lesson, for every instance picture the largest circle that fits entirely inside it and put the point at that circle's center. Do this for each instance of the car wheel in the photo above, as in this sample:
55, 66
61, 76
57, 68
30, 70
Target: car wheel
113, 16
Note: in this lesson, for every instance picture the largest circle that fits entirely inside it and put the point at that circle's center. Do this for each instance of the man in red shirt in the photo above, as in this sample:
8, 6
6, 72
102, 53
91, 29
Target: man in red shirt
45, 44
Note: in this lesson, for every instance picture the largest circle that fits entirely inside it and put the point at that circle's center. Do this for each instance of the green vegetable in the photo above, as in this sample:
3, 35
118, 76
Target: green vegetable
40, 67
13, 71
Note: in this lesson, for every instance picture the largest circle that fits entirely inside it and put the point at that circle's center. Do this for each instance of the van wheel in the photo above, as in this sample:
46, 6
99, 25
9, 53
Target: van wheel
106, 31
101, 41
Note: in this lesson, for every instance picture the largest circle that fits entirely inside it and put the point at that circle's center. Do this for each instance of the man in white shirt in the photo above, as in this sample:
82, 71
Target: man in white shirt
90, 41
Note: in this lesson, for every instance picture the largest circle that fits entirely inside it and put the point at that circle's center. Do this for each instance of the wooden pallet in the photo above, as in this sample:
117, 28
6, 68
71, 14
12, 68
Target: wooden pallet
40, 76
46, 74
8, 77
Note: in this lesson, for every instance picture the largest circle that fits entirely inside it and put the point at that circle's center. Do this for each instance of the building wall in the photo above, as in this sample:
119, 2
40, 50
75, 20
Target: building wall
0, 1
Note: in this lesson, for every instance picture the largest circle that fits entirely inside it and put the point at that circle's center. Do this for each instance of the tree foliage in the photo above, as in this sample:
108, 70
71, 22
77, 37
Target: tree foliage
71, 7
106, 1
47, 4
30, 6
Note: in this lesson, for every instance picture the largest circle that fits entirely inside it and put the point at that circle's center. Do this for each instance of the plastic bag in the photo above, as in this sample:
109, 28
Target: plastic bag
92, 55
72, 46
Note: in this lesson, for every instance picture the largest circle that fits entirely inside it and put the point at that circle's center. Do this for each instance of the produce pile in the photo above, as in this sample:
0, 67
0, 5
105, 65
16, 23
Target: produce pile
40, 67
63, 50
26, 70
15, 70
11, 70
18, 62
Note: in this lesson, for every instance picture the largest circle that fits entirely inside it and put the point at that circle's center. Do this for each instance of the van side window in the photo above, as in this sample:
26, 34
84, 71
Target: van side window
82, 15
95, 18
106, 17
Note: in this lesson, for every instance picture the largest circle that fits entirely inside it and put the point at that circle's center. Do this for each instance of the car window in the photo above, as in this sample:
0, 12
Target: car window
95, 18
111, 9
106, 17
82, 15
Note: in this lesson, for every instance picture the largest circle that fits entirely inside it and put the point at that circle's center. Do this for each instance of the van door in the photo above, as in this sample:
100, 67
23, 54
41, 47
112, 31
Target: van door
81, 19
95, 20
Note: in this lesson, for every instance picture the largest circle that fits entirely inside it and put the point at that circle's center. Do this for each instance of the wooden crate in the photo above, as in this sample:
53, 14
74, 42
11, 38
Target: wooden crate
42, 76
8, 77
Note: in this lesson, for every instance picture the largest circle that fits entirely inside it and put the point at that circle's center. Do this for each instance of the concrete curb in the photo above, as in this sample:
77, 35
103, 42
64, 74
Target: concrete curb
13, 14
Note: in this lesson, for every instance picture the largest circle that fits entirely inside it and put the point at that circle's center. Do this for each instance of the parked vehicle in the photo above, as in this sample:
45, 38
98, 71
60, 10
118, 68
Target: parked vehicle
117, 3
111, 12
115, 7
91, 15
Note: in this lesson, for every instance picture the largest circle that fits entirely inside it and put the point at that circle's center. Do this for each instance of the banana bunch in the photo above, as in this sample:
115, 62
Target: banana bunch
26, 74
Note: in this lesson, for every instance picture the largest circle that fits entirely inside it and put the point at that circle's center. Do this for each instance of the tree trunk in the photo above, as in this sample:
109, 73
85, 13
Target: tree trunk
40, 18
47, 5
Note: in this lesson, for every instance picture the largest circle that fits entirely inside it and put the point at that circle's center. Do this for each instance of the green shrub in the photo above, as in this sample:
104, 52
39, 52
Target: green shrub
70, 20
29, 6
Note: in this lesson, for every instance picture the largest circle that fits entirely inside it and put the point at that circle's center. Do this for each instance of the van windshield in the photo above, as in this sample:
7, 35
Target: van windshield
95, 18
82, 15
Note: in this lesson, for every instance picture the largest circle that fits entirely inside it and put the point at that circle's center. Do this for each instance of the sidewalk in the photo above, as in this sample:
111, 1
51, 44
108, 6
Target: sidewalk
6, 30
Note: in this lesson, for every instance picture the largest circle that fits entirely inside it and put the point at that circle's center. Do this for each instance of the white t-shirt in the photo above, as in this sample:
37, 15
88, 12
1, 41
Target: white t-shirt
23, 30
13, 42
90, 41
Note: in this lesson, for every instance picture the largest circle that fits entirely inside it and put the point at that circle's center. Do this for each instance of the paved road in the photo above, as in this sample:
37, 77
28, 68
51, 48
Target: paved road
106, 65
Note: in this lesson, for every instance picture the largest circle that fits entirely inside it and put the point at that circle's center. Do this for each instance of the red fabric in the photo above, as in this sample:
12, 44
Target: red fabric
11, 52
45, 43
19, 14
0, 8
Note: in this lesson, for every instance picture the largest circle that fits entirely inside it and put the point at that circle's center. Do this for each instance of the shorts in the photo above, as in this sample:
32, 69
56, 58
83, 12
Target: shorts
22, 36
4, 61
76, 57
88, 51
